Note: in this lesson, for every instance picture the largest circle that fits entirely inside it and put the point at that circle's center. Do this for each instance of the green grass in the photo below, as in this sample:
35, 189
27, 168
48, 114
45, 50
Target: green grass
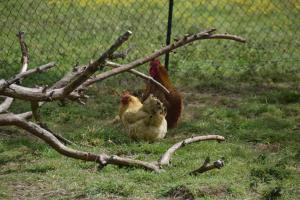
261, 152
247, 93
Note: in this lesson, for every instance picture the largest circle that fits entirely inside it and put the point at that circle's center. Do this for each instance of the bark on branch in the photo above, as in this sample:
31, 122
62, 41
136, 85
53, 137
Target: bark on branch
29, 72
24, 50
207, 166
94, 66
5, 105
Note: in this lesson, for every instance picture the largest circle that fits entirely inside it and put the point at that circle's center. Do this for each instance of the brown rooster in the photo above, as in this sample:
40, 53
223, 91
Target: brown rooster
173, 100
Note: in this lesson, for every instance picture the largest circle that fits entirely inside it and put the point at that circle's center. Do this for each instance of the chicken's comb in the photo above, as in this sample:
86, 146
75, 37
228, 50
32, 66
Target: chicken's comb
155, 62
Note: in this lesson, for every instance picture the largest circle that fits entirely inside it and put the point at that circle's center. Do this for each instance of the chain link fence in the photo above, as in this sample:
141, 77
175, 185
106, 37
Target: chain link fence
67, 31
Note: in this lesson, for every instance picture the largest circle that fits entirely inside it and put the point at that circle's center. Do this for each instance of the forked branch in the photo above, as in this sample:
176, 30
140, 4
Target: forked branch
50, 139
166, 157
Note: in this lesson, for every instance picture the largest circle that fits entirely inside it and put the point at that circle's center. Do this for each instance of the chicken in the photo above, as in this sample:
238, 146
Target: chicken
143, 121
173, 100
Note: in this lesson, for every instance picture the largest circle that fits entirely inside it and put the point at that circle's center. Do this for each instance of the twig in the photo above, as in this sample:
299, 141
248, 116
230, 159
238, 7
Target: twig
227, 37
166, 157
24, 74
206, 166
24, 50
5, 105
120, 161
139, 74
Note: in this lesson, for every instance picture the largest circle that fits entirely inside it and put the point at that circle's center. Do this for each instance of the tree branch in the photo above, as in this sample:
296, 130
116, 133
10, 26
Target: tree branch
179, 43
25, 115
24, 74
166, 157
5, 105
50, 139
24, 50
206, 166
99, 63
226, 36
101, 159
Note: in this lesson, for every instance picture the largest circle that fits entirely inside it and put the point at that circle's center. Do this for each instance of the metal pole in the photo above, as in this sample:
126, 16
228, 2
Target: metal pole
169, 31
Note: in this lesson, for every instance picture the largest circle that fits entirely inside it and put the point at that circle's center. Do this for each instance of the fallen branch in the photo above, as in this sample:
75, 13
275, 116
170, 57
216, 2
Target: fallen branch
50, 139
206, 166
166, 157
101, 159
73, 85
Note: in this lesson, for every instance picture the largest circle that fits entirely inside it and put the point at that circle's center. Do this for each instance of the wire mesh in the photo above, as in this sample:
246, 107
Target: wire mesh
70, 31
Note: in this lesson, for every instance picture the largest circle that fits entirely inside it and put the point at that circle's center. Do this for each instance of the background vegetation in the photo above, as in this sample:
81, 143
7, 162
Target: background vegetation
247, 93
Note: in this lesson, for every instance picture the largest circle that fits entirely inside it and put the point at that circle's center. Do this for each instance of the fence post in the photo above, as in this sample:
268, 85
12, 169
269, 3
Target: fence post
169, 31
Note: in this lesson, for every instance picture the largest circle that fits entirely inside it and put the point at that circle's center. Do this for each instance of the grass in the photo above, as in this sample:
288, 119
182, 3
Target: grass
247, 93
261, 152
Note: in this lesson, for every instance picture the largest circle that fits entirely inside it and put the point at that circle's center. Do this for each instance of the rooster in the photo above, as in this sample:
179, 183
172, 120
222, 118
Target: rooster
173, 100
143, 121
